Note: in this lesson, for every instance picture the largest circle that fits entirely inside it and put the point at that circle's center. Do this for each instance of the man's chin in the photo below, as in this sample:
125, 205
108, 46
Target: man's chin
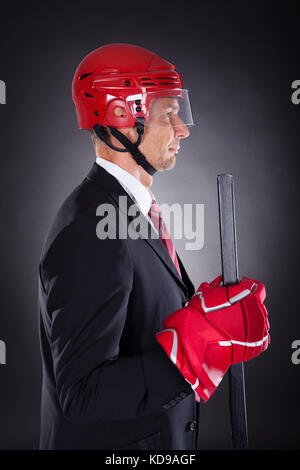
172, 162
167, 163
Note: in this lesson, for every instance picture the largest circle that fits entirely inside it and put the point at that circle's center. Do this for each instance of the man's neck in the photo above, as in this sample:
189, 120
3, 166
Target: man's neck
126, 162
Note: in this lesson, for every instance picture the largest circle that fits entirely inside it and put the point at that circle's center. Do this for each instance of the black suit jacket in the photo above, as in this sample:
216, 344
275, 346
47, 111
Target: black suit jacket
107, 383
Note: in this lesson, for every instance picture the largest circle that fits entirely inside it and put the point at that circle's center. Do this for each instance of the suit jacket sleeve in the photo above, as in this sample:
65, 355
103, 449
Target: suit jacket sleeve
86, 284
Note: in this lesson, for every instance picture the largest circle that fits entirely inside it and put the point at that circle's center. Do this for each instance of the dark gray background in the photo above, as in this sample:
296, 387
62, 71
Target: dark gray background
238, 59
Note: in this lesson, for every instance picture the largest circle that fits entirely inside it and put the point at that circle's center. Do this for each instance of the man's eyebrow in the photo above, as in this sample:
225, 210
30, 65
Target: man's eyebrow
173, 106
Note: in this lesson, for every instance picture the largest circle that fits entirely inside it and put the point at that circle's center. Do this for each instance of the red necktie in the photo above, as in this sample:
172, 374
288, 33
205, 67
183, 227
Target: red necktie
158, 222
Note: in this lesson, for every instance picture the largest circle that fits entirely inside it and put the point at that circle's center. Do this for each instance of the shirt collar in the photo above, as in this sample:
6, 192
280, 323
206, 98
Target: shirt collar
139, 193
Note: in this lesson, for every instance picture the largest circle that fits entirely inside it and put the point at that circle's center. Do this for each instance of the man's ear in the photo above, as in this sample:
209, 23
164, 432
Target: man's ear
119, 111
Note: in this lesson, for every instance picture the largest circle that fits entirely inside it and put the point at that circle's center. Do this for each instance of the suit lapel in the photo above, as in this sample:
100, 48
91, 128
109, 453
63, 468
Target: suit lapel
157, 246
185, 277
111, 185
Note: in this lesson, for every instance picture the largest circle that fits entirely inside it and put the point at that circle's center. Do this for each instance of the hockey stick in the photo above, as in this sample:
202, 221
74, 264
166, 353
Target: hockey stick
238, 413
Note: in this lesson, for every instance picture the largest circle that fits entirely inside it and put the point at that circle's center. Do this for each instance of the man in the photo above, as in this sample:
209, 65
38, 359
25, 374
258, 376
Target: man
128, 347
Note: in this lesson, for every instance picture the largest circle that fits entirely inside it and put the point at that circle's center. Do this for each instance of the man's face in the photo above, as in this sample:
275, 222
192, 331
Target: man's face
163, 132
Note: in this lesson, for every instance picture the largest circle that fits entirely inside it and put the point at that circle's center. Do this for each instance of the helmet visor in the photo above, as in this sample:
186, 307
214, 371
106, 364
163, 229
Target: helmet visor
163, 108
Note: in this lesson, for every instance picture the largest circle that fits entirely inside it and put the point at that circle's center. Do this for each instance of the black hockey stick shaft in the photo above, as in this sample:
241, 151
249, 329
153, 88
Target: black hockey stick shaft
238, 413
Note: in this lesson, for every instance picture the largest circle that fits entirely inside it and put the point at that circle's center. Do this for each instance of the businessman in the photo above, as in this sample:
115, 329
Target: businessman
128, 347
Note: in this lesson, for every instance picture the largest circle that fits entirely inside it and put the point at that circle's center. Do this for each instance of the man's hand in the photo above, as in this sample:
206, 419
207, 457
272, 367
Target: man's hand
220, 326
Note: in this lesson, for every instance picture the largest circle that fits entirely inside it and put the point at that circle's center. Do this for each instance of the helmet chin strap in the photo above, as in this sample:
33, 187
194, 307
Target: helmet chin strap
129, 146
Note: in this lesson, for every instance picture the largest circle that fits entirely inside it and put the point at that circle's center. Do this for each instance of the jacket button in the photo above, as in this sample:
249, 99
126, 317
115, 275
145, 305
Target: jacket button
191, 426
183, 394
166, 406
172, 402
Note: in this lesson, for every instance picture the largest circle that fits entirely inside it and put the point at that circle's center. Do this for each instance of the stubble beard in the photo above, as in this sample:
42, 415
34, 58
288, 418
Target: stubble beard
166, 162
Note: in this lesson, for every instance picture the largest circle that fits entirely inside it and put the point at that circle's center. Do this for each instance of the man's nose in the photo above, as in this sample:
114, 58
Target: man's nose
180, 129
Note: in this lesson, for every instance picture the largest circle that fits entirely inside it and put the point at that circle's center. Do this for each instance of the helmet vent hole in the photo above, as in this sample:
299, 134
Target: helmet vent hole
88, 96
85, 75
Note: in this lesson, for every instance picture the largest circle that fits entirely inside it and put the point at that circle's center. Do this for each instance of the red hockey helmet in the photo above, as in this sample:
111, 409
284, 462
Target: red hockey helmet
128, 76
137, 80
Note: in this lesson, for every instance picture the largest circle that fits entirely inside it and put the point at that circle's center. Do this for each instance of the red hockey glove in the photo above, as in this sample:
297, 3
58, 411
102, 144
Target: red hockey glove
220, 326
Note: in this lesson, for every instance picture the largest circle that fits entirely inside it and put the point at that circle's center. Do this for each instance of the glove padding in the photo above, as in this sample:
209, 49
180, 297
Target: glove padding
220, 326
